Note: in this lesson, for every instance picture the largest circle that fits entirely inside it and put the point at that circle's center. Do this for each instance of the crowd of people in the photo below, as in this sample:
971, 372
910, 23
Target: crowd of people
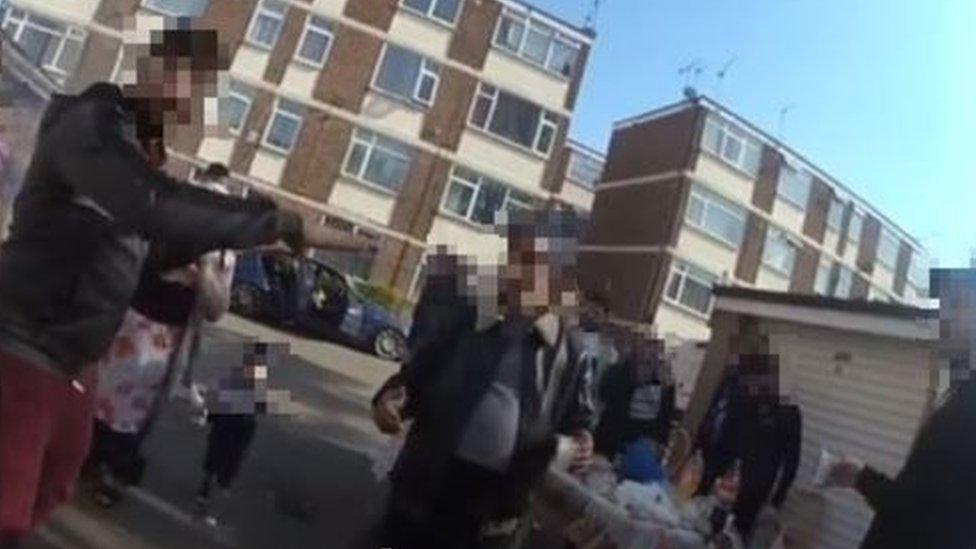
112, 267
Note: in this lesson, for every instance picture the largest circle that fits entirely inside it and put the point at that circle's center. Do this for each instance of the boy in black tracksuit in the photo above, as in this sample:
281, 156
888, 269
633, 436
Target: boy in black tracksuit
233, 407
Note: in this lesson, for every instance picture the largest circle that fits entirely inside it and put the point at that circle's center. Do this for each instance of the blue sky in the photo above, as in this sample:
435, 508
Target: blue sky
884, 90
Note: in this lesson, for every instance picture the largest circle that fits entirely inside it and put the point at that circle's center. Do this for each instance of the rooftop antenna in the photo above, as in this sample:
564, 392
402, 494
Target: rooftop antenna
589, 22
720, 75
782, 118
691, 72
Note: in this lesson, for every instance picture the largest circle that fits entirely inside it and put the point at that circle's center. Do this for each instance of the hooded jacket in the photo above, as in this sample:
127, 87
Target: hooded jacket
90, 209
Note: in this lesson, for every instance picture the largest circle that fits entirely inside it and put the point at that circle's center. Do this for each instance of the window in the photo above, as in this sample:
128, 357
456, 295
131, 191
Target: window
918, 272
514, 119
235, 107
182, 8
379, 160
266, 25
794, 185
779, 253
843, 281
835, 214
286, 121
478, 198
854, 227
730, 142
445, 11
48, 44
691, 287
316, 41
537, 43
888, 249
408, 75
716, 216
821, 284
584, 169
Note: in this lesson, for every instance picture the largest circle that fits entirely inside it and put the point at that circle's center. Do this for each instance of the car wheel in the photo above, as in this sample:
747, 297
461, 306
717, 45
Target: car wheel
389, 344
244, 300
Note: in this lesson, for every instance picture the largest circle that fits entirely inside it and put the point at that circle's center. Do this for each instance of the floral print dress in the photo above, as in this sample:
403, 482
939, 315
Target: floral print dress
133, 373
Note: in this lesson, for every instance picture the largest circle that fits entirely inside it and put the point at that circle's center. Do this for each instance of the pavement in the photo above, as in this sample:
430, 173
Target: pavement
306, 483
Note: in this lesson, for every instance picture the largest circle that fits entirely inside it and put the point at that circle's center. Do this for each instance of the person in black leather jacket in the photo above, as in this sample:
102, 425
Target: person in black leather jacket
92, 206
488, 394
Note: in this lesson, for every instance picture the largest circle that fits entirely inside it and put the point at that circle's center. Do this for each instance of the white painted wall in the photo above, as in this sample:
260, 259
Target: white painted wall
768, 279
358, 198
787, 215
421, 34
250, 62
216, 149
883, 276
830, 240
673, 322
486, 154
392, 116
577, 196
488, 248
268, 166
727, 180
300, 79
77, 12
332, 8
705, 251
850, 252
525, 80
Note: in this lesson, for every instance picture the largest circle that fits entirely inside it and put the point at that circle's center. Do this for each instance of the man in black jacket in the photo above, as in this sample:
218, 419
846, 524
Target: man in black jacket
932, 500
93, 204
488, 392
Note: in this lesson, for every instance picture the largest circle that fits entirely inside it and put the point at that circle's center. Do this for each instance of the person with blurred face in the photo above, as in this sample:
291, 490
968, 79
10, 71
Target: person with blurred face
488, 391
931, 502
95, 210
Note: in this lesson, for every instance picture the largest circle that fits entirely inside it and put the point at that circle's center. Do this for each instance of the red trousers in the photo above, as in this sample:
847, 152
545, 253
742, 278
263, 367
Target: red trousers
45, 432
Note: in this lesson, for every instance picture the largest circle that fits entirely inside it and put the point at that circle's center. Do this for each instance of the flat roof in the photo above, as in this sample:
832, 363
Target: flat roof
862, 306
707, 102
576, 145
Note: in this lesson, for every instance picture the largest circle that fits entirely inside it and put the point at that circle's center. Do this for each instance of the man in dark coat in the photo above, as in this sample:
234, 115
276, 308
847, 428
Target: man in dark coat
488, 391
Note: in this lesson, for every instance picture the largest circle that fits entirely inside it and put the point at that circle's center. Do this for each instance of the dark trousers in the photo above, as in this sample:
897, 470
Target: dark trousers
754, 491
230, 437
118, 452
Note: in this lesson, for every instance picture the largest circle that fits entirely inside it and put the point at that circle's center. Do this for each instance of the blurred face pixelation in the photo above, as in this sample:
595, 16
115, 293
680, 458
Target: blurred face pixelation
956, 291
176, 73
535, 274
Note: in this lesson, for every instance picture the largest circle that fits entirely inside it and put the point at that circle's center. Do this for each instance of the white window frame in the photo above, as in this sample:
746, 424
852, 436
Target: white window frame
798, 173
527, 23
822, 278
547, 119
67, 32
575, 157
774, 233
275, 112
248, 101
893, 239
915, 272
425, 71
312, 27
370, 140
841, 271
709, 201
430, 12
722, 125
476, 190
258, 12
851, 237
840, 220
684, 270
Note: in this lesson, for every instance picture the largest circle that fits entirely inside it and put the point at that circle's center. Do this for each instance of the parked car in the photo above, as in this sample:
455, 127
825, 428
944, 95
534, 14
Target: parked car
316, 298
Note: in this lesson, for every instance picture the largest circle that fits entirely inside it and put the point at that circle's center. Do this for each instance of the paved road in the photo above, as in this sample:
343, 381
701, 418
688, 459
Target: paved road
307, 482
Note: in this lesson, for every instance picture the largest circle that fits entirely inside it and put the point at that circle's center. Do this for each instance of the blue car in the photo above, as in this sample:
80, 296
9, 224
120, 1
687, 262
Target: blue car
315, 298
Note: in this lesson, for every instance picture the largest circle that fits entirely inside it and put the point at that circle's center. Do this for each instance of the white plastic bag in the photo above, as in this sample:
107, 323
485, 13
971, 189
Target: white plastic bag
385, 457
647, 502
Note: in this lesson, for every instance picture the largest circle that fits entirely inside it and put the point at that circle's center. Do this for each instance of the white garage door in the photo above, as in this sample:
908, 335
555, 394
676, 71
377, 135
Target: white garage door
862, 396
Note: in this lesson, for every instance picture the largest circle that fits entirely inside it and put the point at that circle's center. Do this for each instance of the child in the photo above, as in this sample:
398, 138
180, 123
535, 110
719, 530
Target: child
232, 409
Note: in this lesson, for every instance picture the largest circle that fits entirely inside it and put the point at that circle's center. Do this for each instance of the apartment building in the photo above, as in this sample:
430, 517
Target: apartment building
694, 195
410, 121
